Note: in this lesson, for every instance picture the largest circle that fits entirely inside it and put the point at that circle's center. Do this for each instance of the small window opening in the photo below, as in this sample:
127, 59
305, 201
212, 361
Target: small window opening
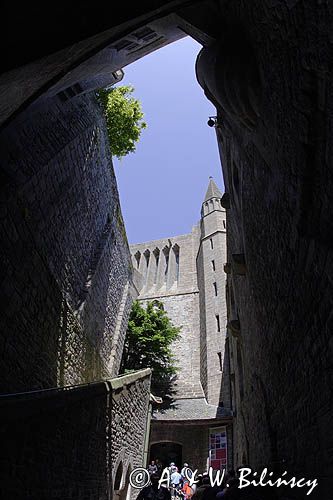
147, 257
211, 243
157, 259
137, 258
220, 359
166, 251
176, 252
213, 265
218, 322
215, 288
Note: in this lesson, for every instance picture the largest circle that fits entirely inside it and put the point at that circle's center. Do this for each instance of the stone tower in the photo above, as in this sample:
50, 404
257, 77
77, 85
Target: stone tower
186, 274
211, 282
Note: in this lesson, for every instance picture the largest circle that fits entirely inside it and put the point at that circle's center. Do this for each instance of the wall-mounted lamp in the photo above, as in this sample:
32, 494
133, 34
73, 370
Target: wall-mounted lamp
212, 121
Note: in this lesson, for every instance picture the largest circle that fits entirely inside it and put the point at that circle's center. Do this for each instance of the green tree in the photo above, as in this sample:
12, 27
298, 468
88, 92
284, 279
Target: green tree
147, 344
124, 119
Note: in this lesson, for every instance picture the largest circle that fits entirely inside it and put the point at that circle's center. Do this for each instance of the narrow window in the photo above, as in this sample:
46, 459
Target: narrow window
213, 265
220, 359
176, 252
215, 288
147, 257
224, 224
166, 251
218, 322
157, 259
211, 243
137, 258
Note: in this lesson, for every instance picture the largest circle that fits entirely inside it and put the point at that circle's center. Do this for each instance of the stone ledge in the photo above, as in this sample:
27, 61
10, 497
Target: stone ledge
130, 378
25, 403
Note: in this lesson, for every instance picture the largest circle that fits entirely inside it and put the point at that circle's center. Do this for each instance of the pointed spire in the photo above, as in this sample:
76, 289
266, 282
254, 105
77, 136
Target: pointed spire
212, 190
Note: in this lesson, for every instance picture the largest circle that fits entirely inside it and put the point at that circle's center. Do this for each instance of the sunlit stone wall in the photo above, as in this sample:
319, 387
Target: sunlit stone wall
66, 289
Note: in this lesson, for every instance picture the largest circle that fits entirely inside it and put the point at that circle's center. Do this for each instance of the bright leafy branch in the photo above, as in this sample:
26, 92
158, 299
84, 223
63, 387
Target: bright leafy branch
124, 119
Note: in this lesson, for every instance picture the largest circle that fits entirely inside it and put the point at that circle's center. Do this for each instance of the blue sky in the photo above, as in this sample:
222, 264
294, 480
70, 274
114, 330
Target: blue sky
162, 184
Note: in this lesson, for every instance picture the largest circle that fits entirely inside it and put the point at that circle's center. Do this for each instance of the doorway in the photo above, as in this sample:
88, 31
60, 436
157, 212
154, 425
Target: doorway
167, 452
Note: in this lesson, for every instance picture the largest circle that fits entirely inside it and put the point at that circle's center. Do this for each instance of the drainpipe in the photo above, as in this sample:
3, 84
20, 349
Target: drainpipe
152, 399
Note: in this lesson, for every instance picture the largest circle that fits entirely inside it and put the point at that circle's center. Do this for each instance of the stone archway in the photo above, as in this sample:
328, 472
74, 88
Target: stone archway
166, 452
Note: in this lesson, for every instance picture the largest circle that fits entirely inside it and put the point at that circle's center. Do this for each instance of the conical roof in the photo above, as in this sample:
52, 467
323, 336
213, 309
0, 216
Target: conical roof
212, 190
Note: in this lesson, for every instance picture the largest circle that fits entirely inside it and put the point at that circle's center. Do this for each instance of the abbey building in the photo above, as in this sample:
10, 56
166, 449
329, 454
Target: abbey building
186, 273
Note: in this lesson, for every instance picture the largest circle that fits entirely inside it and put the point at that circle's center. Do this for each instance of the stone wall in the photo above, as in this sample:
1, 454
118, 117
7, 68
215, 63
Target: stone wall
194, 439
64, 250
156, 262
183, 310
180, 298
273, 90
130, 406
68, 443
210, 261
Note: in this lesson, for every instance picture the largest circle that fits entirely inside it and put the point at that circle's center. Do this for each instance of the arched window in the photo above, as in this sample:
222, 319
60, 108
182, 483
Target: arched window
147, 257
157, 259
137, 257
218, 326
176, 252
166, 251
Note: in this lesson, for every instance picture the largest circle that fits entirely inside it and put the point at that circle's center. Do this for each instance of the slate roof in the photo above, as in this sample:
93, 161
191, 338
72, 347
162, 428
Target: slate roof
190, 409
212, 191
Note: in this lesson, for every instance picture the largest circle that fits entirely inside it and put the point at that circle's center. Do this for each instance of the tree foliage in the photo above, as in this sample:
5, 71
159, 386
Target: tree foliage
124, 119
147, 344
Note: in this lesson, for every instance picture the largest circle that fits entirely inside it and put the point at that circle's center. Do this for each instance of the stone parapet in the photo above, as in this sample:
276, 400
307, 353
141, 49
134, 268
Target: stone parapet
61, 440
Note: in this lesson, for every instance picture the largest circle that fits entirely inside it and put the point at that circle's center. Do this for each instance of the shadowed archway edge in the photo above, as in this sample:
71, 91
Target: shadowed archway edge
30, 81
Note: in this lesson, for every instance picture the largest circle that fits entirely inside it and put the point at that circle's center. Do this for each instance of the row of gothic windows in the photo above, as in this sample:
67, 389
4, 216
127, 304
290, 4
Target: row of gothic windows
157, 255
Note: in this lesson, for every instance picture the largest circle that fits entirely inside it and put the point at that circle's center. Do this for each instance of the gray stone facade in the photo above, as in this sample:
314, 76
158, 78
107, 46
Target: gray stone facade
175, 284
186, 274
